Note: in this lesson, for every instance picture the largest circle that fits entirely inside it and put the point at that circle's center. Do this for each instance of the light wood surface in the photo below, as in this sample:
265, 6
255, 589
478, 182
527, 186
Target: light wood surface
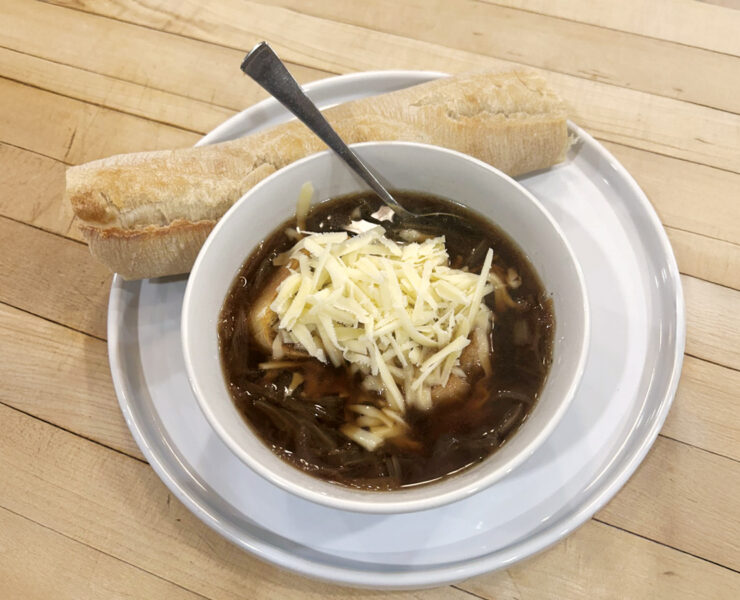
81, 513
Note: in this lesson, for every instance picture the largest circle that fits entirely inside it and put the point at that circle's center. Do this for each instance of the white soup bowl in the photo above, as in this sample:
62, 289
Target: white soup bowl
403, 166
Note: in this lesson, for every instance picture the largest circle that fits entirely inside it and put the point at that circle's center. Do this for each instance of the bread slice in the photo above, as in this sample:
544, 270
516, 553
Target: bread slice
147, 214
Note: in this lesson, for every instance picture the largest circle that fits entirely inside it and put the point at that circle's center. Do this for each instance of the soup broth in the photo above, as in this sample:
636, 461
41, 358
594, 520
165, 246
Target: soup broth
297, 409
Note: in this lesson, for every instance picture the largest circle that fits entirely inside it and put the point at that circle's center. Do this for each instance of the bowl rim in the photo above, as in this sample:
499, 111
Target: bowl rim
365, 501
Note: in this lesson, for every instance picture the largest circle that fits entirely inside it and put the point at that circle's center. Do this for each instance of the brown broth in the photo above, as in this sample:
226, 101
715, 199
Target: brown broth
303, 427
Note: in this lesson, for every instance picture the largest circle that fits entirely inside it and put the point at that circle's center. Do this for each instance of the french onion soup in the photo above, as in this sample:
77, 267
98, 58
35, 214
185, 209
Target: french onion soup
390, 358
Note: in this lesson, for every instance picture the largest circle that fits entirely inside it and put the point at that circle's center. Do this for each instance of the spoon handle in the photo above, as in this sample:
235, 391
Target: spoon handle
264, 66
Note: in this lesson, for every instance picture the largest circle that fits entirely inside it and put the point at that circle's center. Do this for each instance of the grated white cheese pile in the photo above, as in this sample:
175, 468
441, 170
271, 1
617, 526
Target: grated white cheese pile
399, 313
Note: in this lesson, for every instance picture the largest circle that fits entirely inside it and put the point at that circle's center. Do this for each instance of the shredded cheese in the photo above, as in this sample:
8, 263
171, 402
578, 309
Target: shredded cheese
397, 312
304, 205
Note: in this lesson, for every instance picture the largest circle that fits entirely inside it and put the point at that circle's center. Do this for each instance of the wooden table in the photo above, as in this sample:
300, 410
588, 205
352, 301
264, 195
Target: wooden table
82, 515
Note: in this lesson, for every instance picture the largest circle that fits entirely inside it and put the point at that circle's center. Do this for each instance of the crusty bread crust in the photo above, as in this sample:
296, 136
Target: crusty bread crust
153, 251
145, 213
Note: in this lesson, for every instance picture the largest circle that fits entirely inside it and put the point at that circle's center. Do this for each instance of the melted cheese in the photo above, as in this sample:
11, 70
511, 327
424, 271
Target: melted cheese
398, 313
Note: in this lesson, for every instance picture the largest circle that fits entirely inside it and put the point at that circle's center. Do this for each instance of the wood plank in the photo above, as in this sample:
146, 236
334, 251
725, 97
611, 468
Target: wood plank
734, 4
82, 399
163, 63
118, 506
685, 498
712, 326
706, 258
712, 329
38, 563
685, 22
686, 195
646, 569
553, 44
74, 132
68, 384
704, 412
61, 376
31, 190
676, 188
131, 98
698, 256
85, 387
713, 332
716, 215
583, 568
54, 278
629, 117
651, 171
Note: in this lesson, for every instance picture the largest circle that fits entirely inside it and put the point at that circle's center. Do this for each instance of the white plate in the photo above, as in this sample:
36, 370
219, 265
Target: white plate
631, 376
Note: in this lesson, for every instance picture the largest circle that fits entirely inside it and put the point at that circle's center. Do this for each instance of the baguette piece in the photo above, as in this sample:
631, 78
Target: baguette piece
147, 214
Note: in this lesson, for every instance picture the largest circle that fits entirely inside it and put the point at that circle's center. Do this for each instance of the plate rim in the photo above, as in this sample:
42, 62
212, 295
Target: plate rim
436, 574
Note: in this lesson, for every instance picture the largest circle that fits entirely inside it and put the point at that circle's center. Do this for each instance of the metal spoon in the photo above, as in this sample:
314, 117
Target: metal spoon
264, 66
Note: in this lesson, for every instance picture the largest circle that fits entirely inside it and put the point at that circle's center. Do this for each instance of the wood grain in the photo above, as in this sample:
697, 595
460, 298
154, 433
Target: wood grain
601, 562
74, 132
102, 90
685, 498
733, 4
31, 191
558, 45
686, 195
697, 255
55, 262
61, 264
713, 331
83, 516
67, 382
685, 22
705, 257
677, 188
69, 385
38, 563
117, 505
52, 277
156, 60
712, 326
704, 412
56, 413
693, 252
629, 117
